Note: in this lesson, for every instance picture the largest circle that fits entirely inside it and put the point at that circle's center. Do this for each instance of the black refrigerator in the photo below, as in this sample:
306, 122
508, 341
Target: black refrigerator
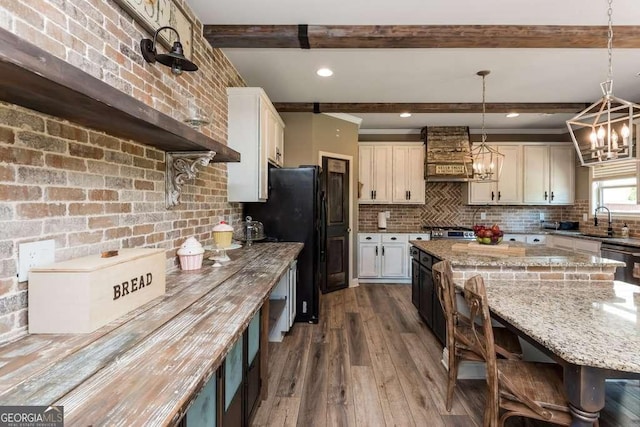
294, 212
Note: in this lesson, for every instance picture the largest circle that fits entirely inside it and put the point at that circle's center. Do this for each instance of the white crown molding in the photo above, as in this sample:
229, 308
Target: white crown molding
389, 131
519, 131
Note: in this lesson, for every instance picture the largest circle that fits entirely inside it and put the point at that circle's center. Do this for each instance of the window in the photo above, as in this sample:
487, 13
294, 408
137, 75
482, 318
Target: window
615, 186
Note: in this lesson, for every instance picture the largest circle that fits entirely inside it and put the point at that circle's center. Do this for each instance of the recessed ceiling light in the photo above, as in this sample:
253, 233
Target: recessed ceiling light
512, 115
405, 115
324, 72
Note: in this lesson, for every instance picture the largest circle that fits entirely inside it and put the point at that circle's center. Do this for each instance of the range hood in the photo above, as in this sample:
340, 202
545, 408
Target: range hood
448, 156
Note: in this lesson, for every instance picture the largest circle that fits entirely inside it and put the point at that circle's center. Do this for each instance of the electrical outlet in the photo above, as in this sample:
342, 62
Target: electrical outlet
483, 215
387, 214
541, 216
585, 217
34, 254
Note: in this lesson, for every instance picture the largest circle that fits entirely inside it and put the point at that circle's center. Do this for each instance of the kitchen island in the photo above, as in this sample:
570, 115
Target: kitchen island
538, 262
148, 366
566, 304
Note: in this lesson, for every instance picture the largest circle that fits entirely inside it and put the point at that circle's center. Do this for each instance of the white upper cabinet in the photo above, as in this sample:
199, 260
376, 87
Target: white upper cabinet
408, 174
391, 173
375, 173
532, 174
256, 131
508, 190
549, 172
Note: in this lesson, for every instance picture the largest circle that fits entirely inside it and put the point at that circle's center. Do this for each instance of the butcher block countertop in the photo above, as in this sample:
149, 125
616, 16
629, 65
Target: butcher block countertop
147, 366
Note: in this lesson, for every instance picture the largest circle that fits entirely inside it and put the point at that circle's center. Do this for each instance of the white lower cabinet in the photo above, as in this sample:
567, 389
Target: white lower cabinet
533, 239
383, 257
577, 244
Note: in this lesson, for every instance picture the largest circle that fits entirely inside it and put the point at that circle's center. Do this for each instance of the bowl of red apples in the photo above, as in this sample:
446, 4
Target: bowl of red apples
488, 235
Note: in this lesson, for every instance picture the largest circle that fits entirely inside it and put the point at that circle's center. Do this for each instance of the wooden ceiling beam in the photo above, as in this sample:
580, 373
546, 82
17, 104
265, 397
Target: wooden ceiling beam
419, 36
431, 107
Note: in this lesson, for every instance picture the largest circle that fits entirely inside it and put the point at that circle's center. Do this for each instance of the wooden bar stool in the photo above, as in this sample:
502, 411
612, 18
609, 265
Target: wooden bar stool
460, 333
526, 389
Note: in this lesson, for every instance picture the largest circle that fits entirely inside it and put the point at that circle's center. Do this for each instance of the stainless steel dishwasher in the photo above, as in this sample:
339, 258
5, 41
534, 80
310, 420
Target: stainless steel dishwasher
630, 255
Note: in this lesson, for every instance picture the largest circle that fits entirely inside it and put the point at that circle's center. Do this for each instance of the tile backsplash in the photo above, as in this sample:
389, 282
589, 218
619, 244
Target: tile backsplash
444, 206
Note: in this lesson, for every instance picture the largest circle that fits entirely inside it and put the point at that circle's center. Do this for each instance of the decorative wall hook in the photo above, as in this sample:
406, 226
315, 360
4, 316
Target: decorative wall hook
180, 167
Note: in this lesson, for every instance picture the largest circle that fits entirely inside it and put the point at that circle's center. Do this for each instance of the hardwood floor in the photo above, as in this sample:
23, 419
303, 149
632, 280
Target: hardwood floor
371, 361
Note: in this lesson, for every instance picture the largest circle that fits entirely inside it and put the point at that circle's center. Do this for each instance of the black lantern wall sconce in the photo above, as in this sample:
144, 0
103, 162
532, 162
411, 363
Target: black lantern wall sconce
174, 59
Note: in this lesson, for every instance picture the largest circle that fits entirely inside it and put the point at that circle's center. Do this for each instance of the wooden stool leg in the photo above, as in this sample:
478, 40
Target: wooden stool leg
453, 377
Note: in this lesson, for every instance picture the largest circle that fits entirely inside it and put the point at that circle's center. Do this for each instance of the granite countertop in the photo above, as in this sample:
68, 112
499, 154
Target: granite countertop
630, 241
592, 325
163, 351
535, 255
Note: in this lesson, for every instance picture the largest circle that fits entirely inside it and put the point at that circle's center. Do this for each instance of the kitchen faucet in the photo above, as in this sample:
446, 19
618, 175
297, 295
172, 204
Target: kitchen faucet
595, 219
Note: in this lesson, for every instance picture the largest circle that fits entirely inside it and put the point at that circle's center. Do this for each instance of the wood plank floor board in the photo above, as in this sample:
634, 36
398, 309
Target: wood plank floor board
457, 421
434, 374
284, 411
364, 305
291, 379
313, 403
392, 399
358, 348
340, 405
366, 398
350, 301
404, 382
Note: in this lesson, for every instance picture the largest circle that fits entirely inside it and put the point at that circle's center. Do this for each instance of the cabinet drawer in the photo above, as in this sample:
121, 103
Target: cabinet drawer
537, 239
395, 238
369, 237
426, 260
420, 236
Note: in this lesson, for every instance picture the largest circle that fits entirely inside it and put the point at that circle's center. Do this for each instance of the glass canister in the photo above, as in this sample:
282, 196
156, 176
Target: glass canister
249, 231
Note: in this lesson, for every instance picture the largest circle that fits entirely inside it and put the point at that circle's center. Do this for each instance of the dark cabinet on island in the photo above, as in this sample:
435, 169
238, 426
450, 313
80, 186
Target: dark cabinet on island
423, 293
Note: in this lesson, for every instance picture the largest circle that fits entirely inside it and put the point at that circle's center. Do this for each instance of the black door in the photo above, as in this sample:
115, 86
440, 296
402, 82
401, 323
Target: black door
335, 185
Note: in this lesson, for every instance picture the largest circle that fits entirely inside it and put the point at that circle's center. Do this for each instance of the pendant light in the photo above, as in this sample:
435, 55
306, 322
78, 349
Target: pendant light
603, 132
487, 161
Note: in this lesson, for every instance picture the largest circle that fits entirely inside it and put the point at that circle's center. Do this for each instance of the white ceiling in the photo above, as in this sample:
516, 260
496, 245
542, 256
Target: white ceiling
433, 75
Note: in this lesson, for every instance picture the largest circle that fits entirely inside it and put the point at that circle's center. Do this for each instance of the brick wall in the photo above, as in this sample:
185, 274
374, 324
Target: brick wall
87, 190
444, 206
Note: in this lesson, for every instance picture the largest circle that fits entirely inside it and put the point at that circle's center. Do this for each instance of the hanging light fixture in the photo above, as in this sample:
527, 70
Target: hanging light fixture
487, 161
603, 132
174, 59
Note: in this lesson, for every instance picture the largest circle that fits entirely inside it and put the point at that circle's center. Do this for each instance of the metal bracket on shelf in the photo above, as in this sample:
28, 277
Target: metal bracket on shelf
180, 167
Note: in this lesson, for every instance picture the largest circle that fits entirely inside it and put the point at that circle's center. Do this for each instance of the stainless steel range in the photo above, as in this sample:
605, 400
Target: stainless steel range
449, 232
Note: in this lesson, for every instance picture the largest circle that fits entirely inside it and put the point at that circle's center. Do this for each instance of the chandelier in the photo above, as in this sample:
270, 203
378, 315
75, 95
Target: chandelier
487, 161
603, 132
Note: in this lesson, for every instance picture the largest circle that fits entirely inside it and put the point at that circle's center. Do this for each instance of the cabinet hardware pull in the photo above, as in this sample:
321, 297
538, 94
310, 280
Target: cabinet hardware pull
492, 196
552, 196
418, 238
536, 240
409, 194
374, 194
376, 251
499, 196
394, 238
383, 251
545, 195
371, 194
368, 238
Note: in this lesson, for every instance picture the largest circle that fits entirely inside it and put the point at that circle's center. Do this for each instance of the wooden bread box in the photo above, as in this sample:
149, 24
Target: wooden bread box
82, 294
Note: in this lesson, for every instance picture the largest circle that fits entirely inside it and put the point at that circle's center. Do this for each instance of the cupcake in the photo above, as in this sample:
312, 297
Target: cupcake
222, 234
191, 253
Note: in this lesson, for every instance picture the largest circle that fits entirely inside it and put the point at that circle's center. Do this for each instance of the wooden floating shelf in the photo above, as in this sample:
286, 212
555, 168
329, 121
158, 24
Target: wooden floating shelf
35, 79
